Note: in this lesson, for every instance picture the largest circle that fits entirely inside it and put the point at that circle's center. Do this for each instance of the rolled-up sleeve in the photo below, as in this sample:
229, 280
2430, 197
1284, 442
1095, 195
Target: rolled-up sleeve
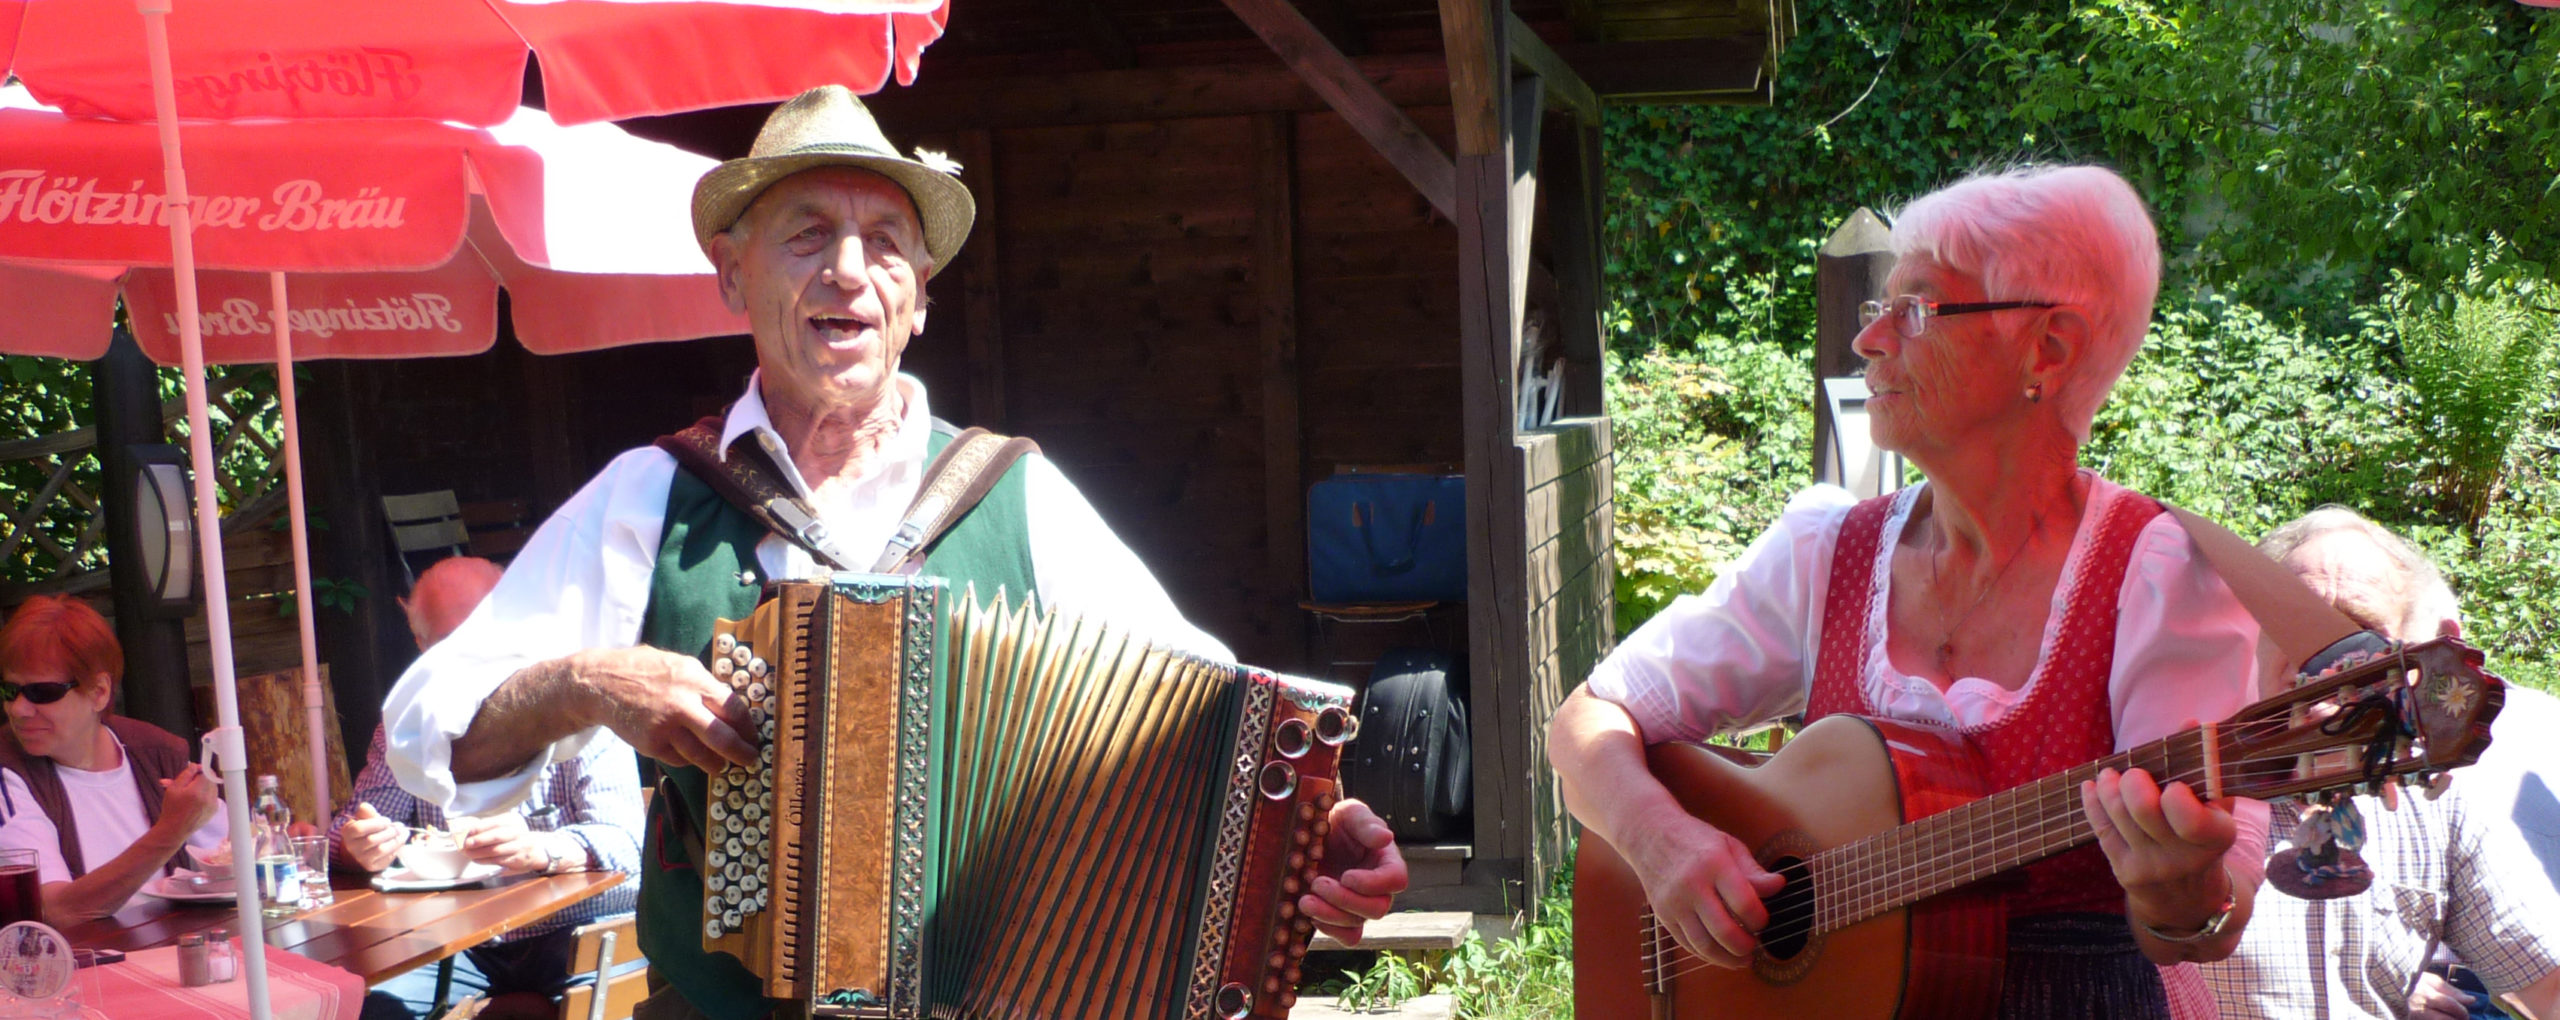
2186, 652
1083, 567
1739, 653
581, 582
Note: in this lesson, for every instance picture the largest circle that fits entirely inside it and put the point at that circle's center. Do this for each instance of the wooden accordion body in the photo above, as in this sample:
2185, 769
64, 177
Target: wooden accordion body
1017, 814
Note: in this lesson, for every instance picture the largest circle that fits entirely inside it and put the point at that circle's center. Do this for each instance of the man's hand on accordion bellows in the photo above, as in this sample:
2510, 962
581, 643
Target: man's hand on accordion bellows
1361, 876
666, 705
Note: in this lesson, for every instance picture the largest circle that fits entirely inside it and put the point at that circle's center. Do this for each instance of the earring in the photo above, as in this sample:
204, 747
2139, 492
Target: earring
2035, 393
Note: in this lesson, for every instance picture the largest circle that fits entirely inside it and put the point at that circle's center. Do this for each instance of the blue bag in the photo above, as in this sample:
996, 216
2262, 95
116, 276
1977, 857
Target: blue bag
1387, 538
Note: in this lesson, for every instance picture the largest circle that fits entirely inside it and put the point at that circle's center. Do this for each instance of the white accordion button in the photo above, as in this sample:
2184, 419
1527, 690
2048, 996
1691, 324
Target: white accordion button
758, 669
722, 643
711, 927
722, 668
741, 655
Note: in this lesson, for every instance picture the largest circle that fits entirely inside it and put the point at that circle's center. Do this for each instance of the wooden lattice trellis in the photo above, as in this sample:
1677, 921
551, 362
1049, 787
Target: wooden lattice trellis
64, 552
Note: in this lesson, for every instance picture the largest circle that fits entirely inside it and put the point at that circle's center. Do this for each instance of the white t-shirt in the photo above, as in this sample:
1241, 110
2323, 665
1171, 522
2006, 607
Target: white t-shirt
109, 808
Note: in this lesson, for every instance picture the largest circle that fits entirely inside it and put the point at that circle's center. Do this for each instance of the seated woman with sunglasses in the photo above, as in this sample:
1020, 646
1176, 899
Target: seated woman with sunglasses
2049, 615
106, 802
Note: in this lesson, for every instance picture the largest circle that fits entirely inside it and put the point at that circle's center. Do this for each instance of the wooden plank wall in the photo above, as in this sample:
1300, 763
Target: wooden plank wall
1196, 317
1572, 579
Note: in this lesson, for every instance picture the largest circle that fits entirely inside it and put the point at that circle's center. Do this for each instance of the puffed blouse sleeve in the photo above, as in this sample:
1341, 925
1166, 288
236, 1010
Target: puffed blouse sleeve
1740, 653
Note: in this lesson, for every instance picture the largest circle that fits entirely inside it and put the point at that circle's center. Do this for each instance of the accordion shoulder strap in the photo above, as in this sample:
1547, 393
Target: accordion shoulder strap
957, 479
752, 480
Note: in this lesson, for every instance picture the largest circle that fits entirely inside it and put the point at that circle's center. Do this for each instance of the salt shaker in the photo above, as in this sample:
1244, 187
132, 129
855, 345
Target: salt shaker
222, 956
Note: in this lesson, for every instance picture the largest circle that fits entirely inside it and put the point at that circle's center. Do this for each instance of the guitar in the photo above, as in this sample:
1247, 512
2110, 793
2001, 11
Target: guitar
1883, 833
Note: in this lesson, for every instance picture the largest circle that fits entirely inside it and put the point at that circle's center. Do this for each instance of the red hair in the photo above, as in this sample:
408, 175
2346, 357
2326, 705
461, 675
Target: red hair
60, 634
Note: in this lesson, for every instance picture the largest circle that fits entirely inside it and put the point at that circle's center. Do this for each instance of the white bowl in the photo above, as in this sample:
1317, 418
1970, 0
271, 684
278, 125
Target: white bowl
214, 864
436, 859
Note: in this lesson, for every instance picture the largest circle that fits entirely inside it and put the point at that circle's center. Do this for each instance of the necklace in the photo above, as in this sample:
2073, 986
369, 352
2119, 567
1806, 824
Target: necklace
1947, 640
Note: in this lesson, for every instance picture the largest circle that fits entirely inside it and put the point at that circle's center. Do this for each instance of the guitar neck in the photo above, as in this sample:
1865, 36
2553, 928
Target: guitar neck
1976, 840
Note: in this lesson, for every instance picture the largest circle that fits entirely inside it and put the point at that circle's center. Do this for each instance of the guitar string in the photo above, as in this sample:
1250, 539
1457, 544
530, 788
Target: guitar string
1879, 886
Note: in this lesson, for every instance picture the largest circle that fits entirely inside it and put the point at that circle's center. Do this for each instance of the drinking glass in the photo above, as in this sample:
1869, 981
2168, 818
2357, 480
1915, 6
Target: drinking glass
20, 897
313, 852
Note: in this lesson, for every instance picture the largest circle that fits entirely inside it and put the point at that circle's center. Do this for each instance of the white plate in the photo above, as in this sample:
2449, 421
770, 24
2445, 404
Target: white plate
178, 889
400, 879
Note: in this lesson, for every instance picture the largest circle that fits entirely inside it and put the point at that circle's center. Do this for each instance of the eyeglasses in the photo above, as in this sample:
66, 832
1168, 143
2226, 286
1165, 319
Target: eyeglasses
45, 693
1911, 312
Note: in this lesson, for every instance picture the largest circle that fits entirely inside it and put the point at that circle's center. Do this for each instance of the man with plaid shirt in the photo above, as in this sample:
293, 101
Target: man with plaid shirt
585, 815
2446, 871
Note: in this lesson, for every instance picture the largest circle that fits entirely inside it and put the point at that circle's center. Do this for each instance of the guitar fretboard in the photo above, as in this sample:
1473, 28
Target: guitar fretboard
1978, 839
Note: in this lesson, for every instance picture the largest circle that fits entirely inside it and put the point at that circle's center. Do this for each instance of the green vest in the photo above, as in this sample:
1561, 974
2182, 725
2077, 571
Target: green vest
709, 546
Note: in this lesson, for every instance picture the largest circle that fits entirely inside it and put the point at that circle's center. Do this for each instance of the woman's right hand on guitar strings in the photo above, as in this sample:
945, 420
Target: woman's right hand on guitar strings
1706, 889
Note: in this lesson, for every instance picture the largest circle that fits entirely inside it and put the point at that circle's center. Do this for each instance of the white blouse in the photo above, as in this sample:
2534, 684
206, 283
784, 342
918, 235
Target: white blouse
1743, 652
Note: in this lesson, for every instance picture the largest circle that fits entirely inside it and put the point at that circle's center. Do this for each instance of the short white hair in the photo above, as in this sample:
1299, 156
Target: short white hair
2075, 235
2425, 600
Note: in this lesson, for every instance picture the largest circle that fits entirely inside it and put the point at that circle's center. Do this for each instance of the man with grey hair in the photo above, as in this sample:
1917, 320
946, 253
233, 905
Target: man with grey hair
2446, 872
823, 237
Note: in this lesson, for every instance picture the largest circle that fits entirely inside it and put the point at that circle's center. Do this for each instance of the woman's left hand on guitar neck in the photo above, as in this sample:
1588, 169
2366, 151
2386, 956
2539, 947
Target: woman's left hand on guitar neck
2167, 849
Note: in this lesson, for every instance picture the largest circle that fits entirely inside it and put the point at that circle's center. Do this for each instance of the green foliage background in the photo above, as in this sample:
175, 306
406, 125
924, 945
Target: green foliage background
2354, 308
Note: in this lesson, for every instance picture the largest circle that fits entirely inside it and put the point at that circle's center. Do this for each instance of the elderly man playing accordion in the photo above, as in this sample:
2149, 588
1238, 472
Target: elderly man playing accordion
823, 238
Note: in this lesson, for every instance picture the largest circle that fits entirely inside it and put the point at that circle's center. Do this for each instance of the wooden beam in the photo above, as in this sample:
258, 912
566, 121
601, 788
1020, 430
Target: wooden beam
1531, 53
980, 286
1468, 30
1339, 81
1731, 68
1275, 277
954, 102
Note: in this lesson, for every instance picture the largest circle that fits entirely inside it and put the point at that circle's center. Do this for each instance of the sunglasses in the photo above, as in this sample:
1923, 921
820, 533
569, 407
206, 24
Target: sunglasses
42, 693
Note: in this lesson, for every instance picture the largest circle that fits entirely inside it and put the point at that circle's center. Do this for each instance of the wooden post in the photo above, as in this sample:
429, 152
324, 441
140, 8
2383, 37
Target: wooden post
1491, 262
1275, 224
980, 282
1850, 270
366, 649
155, 649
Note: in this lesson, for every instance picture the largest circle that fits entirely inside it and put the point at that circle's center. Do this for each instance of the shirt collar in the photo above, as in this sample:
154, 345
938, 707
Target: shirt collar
749, 415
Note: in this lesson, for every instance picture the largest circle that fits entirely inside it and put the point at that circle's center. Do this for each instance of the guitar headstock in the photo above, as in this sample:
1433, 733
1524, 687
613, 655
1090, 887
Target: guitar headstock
2409, 710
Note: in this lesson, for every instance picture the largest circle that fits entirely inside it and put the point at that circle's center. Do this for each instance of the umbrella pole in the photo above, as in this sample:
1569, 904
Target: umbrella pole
314, 718
225, 738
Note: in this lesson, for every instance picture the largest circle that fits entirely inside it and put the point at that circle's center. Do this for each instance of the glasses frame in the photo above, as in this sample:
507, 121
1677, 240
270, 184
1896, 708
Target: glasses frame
1911, 326
42, 693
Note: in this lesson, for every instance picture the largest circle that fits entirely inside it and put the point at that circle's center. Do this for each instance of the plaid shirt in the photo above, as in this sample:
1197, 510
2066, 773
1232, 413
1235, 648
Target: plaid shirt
2437, 870
595, 797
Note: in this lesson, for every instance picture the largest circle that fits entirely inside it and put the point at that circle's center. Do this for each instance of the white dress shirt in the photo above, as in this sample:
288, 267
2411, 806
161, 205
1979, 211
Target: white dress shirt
1743, 652
582, 582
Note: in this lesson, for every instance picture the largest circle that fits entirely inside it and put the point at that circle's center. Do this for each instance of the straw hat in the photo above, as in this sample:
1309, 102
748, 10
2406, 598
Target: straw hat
827, 126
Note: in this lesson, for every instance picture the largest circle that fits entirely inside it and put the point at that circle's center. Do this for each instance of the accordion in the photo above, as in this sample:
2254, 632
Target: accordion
970, 810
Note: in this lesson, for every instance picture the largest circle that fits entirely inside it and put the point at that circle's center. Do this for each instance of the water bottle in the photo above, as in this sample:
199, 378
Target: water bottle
279, 870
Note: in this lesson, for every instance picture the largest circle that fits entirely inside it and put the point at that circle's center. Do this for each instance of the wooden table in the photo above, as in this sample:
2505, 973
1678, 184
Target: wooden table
373, 935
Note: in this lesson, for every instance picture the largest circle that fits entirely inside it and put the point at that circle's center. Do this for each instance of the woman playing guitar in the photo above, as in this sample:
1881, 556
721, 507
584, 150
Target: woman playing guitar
2047, 616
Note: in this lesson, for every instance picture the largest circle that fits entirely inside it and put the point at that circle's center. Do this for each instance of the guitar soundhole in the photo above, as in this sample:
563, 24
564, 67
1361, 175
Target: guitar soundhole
1790, 911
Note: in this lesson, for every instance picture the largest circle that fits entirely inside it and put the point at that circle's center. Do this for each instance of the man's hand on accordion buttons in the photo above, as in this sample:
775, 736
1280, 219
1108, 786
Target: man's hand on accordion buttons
667, 706
1361, 876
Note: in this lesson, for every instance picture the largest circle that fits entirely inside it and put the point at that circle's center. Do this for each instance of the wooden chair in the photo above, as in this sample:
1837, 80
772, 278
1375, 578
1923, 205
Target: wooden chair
602, 946
425, 522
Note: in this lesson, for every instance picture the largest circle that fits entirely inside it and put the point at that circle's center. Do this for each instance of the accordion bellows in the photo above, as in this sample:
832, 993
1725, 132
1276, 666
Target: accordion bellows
971, 810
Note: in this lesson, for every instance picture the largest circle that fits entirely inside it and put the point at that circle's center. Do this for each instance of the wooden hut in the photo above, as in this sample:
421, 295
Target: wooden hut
1223, 250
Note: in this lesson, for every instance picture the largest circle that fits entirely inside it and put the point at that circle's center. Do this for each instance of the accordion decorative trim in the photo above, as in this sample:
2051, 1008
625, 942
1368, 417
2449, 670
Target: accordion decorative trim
920, 639
1234, 822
